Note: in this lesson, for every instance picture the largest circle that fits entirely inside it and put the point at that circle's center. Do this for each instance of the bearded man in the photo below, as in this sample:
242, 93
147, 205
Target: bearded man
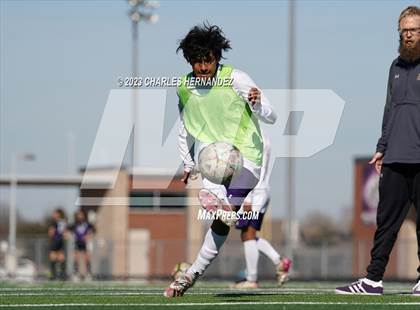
397, 157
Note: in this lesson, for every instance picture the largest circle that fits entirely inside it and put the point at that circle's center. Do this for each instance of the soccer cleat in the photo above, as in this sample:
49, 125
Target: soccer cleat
212, 204
360, 287
178, 287
245, 284
88, 277
283, 270
416, 289
75, 278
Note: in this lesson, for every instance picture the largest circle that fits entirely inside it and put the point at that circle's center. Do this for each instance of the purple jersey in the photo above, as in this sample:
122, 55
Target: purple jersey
81, 230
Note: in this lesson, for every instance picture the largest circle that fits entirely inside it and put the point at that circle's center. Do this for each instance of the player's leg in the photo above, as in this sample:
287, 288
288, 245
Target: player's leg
239, 187
416, 200
62, 263
86, 255
76, 261
282, 263
213, 241
392, 210
267, 249
248, 236
53, 262
393, 207
236, 192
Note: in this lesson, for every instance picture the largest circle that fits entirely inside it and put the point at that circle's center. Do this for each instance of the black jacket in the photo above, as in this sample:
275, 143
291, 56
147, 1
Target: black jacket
400, 140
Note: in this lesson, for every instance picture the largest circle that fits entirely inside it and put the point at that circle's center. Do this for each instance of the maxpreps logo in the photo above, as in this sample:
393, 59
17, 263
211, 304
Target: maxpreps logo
227, 215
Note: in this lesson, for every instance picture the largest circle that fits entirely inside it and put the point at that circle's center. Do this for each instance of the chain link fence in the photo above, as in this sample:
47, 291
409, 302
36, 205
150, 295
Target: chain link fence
322, 262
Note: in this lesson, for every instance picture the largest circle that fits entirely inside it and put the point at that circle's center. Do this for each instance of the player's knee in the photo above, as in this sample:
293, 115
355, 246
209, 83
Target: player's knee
52, 256
220, 228
248, 234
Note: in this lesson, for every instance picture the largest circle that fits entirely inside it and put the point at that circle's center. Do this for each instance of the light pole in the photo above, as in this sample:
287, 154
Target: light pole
11, 261
290, 193
140, 10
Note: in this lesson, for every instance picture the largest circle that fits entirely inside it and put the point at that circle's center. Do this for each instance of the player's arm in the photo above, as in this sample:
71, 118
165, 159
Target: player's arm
248, 90
68, 231
186, 150
90, 232
51, 231
383, 140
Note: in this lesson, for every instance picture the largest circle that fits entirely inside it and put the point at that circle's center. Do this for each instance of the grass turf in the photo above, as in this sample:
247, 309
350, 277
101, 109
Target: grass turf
205, 295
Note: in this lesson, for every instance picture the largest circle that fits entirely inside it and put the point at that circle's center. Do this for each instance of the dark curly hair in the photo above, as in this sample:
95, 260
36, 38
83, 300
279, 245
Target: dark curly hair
202, 42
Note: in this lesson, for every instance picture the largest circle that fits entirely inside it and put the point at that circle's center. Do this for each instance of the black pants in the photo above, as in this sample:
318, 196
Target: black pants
399, 186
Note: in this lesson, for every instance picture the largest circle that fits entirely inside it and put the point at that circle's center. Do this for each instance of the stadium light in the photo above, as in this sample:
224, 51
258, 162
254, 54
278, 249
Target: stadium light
291, 169
11, 259
140, 10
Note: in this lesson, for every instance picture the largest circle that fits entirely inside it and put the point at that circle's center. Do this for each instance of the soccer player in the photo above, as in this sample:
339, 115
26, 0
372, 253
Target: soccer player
397, 157
213, 113
82, 231
56, 235
257, 202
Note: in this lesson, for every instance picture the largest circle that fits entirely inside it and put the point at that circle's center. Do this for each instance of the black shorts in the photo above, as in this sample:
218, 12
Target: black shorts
256, 223
56, 245
80, 246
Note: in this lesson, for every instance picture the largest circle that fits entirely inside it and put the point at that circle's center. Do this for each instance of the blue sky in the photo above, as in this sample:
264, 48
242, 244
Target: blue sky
60, 59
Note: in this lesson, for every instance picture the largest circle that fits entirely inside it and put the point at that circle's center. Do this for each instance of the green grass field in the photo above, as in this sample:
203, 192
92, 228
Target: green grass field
205, 295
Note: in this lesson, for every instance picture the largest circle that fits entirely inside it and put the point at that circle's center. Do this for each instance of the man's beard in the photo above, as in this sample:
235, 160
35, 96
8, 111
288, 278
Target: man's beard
409, 53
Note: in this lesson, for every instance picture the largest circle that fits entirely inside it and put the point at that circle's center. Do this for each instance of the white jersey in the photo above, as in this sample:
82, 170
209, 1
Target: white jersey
260, 195
241, 83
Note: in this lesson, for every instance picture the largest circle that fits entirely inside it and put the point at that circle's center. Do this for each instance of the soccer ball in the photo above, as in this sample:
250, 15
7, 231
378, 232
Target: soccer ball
179, 269
219, 162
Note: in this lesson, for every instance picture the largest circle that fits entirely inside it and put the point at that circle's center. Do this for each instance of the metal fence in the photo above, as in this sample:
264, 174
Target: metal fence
325, 261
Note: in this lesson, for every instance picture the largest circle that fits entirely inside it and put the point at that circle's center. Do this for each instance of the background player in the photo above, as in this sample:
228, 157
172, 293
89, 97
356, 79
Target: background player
56, 235
82, 231
258, 201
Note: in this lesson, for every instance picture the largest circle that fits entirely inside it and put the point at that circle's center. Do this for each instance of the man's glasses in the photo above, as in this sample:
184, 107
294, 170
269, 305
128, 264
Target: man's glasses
411, 30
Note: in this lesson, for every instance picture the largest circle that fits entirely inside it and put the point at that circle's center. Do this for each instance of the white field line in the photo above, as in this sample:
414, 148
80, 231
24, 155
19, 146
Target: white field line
207, 304
138, 292
151, 289
150, 294
220, 289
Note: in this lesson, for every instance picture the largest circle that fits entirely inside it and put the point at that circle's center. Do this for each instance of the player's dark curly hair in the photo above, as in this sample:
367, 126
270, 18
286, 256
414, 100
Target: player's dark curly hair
202, 41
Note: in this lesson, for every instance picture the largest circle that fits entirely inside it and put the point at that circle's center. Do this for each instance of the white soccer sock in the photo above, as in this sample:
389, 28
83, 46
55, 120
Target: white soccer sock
251, 257
266, 248
209, 250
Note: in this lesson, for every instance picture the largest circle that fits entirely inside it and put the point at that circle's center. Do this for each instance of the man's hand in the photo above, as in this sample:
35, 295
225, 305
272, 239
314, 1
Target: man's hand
185, 177
377, 160
254, 96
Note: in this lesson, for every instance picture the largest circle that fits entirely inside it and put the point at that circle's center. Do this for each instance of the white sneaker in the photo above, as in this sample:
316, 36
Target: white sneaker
416, 289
